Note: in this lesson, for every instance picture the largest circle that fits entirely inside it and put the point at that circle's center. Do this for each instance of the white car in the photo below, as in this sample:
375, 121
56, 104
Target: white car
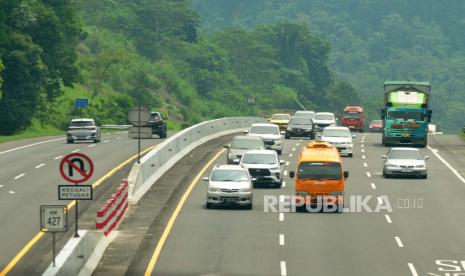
229, 185
82, 129
341, 138
400, 161
271, 136
322, 120
264, 166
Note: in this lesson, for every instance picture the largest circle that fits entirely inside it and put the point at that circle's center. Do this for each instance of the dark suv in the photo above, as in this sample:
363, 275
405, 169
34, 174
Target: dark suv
158, 124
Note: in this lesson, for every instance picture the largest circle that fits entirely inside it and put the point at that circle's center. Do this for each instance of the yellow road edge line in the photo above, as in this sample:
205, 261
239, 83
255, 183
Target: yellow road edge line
172, 220
39, 235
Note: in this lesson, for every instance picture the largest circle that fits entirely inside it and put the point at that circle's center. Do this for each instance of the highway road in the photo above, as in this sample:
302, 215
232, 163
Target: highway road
30, 175
422, 235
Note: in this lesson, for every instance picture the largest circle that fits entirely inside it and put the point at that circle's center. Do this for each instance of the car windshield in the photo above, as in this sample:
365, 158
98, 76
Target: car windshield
308, 114
406, 115
320, 170
259, 158
352, 115
405, 154
247, 144
82, 124
229, 175
336, 133
300, 121
155, 117
280, 117
264, 130
324, 116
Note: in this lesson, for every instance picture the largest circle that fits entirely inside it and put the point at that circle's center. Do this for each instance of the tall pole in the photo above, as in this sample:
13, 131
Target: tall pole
53, 249
76, 234
138, 139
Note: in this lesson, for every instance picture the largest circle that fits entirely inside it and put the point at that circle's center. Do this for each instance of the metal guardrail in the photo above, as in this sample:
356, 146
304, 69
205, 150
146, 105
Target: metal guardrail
116, 126
154, 164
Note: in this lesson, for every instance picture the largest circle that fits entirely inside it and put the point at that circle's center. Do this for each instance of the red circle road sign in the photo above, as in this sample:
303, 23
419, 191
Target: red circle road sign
76, 168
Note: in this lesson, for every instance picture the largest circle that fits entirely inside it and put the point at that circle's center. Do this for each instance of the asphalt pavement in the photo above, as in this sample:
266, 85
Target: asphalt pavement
418, 228
30, 175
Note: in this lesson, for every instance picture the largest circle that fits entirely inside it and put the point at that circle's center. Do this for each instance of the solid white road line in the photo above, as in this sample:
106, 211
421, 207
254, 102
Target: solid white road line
285, 173
412, 269
281, 239
283, 268
76, 150
106, 141
58, 157
373, 186
365, 164
368, 174
435, 152
281, 216
31, 145
363, 157
388, 218
93, 145
19, 176
399, 242
40, 165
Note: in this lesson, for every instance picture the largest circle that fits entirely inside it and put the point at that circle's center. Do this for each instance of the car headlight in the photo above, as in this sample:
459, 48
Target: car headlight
213, 189
245, 190
392, 166
299, 193
274, 169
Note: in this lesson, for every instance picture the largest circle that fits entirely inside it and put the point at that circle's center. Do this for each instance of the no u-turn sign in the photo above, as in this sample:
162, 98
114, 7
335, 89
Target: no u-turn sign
76, 168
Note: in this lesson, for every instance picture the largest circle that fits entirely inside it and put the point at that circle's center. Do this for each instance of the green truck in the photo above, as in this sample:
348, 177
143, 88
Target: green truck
406, 113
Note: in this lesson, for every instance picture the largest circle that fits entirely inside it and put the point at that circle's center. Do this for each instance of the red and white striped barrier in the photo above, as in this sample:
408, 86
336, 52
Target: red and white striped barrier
113, 210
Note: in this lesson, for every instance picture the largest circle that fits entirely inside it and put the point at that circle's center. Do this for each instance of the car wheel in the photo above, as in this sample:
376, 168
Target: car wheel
280, 152
163, 135
287, 136
70, 141
248, 206
424, 176
351, 154
209, 205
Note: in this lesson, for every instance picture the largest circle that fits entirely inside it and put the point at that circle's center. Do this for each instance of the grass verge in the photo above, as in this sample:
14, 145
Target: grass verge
36, 130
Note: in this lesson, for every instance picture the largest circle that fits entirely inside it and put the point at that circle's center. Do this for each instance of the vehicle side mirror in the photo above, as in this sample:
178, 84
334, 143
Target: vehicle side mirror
346, 174
205, 178
226, 146
384, 156
283, 132
426, 157
282, 162
291, 174
245, 131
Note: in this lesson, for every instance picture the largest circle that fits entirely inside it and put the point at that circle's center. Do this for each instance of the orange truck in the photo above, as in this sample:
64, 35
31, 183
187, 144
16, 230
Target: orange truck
319, 179
353, 118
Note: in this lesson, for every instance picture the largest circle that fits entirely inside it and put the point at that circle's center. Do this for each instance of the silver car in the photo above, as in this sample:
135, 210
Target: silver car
83, 129
229, 185
241, 144
402, 161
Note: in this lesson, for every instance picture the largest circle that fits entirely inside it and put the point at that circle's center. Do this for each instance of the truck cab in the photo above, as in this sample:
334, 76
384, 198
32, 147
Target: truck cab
353, 117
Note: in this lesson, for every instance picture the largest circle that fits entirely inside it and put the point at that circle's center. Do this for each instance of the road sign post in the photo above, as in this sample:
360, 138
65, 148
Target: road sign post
76, 168
53, 219
139, 116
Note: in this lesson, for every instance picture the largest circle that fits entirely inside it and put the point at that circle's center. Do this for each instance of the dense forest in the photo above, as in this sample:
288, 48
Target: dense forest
372, 41
118, 53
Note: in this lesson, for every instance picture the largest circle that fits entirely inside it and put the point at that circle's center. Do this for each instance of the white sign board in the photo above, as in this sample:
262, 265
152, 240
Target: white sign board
139, 116
145, 132
53, 218
72, 192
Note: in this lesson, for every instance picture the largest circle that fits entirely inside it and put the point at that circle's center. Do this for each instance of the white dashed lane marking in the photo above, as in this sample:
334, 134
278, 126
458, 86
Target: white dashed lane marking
281, 216
285, 173
11, 192
58, 157
399, 242
76, 150
284, 184
19, 176
373, 186
106, 141
281, 239
368, 174
388, 218
40, 165
290, 155
93, 145
412, 269
364, 157
287, 163
365, 164
283, 268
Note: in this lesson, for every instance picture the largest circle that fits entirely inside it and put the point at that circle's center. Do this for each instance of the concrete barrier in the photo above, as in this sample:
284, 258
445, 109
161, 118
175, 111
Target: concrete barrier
113, 210
155, 163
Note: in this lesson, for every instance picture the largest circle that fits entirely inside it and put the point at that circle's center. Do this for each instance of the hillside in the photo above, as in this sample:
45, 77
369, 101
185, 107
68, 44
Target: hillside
372, 41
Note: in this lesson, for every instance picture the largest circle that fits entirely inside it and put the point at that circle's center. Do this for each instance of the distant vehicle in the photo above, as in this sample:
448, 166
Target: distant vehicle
402, 161
281, 120
229, 185
339, 137
376, 126
300, 127
241, 144
264, 166
319, 176
82, 129
322, 120
305, 113
270, 134
158, 124
353, 118
406, 113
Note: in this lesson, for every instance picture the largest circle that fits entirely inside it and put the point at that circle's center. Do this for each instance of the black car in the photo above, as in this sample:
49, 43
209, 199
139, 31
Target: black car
158, 124
300, 127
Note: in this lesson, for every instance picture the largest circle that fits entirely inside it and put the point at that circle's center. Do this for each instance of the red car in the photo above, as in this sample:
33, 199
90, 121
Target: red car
376, 126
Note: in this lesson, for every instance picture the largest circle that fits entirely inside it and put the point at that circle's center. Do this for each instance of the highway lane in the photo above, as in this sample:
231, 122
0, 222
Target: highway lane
406, 241
30, 175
